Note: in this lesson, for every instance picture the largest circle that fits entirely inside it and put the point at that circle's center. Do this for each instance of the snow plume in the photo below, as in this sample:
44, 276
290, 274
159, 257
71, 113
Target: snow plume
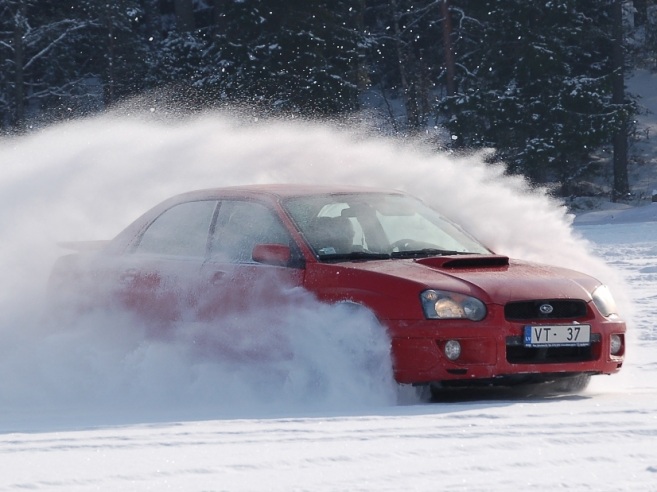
87, 179
97, 175
107, 367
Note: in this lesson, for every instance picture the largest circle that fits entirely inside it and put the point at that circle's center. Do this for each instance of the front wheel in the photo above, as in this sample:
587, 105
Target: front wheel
566, 385
569, 384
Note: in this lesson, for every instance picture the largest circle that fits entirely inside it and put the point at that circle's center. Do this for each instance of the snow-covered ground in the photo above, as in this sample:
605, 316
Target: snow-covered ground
95, 405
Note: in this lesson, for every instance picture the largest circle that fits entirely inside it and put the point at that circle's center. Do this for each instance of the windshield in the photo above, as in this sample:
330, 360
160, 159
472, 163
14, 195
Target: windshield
376, 225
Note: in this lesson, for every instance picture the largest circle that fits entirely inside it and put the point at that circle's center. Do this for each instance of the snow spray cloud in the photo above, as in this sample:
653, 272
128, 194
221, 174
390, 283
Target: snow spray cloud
87, 179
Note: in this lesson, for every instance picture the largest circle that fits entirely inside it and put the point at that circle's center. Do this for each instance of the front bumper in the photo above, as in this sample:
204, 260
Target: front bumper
491, 351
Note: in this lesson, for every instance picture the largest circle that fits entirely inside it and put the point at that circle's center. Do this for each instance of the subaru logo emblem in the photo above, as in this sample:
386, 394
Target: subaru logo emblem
546, 308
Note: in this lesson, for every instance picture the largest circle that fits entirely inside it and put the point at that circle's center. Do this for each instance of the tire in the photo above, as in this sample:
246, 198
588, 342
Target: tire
567, 385
571, 384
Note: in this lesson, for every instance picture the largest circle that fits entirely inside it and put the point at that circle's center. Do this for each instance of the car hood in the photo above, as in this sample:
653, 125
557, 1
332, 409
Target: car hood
492, 278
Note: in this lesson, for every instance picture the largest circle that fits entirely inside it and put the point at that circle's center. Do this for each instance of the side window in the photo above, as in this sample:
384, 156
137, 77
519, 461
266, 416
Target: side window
181, 231
240, 226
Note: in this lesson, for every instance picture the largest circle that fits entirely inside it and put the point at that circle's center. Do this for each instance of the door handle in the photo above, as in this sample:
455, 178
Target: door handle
129, 275
217, 277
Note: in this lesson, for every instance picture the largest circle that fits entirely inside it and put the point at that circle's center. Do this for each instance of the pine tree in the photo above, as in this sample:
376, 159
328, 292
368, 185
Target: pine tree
302, 56
42, 70
67, 58
121, 53
536, 85
406, 57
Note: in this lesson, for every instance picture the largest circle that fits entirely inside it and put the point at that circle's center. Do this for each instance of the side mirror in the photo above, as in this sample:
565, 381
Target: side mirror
272, 254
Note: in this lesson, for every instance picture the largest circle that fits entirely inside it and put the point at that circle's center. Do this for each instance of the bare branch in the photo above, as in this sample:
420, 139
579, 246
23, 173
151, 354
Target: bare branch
53, 43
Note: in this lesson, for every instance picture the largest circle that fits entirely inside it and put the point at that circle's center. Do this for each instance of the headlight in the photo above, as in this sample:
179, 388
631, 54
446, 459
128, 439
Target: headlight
439, 304
604, 301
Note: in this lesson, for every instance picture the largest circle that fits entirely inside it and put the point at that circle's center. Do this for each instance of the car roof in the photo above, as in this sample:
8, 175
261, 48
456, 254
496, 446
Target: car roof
281, 191
262, 192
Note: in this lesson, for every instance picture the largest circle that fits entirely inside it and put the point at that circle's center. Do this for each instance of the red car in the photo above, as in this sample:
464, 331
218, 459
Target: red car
457, 313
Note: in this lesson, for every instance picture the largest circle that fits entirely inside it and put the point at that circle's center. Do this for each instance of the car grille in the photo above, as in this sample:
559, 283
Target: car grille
561, 308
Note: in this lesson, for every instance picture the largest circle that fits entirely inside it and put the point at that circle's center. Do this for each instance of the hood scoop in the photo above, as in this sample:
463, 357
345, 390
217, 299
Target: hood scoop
465, 262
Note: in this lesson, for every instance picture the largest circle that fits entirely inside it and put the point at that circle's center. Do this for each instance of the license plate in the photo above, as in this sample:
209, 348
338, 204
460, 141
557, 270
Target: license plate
557, 335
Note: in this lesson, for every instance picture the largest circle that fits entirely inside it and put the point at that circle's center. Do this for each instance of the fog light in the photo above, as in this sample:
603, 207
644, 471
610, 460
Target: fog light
616, 344
452, 349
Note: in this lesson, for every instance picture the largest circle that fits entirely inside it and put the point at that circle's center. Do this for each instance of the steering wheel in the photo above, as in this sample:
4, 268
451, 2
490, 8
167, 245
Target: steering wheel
404, 244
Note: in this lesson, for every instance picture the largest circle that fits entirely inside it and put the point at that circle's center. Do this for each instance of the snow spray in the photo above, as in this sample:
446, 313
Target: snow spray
89, 178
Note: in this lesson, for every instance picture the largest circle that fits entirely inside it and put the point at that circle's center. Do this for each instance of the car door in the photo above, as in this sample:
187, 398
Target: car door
159, 277
235, 281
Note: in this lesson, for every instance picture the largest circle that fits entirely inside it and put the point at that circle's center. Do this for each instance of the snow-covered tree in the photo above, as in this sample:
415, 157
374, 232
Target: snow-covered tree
535, 83
119, 48
406, 57
40, 67
300, 56
70, 57
534, 80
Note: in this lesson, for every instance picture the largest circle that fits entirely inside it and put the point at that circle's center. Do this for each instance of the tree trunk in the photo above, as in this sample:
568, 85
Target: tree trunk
641, 12
450, 62
111, 45
410, 100
19, 63
621, 182
184, 15
218, 13
449, 51
152, 18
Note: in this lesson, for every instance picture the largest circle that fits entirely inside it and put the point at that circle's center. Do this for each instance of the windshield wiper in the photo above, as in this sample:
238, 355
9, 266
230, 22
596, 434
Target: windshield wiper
354, 255
366, 255
423, 253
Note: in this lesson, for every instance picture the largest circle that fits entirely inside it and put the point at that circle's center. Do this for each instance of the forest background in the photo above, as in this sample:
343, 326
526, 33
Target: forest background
540, 82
